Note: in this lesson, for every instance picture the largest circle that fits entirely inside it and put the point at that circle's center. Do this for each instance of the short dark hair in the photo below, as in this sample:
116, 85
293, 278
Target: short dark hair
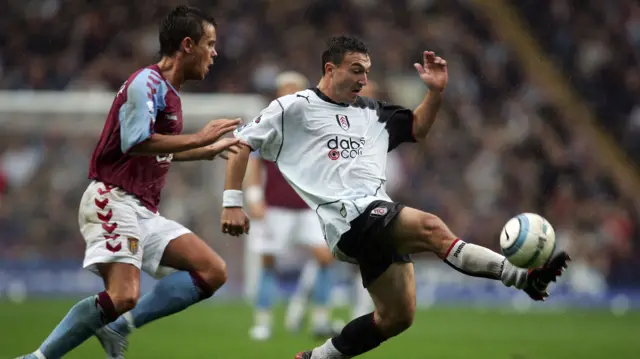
183, 21
338, 46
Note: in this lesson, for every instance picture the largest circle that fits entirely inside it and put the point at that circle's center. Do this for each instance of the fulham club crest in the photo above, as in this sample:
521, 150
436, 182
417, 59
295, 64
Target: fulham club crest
343, 121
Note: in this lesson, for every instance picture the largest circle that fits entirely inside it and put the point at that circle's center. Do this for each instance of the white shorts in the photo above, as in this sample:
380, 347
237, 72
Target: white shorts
117, 228
284, 228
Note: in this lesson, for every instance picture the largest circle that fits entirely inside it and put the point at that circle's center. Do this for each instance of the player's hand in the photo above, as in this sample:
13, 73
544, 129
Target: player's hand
221, 148
215, 129
433, 71
235, 221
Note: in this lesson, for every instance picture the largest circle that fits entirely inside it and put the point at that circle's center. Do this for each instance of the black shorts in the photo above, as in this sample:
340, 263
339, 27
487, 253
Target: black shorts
369, 241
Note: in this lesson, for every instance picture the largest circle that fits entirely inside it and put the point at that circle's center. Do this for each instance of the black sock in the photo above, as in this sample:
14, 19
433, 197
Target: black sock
359, 336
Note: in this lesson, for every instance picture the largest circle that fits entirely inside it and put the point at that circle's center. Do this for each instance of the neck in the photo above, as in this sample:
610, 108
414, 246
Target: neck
323, 86
169, 66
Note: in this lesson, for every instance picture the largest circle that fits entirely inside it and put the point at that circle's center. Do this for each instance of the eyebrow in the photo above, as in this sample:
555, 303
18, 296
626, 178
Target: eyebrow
356, 64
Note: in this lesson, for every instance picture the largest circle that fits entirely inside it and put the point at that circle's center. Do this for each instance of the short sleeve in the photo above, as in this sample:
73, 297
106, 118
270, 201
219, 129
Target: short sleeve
264, 133
399, 123
137, 114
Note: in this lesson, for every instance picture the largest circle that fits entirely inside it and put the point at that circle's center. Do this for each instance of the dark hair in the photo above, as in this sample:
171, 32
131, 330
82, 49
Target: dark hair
183, 21
338, 46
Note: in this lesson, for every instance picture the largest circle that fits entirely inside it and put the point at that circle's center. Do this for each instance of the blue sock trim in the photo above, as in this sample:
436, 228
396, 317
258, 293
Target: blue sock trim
322, 288
267, 289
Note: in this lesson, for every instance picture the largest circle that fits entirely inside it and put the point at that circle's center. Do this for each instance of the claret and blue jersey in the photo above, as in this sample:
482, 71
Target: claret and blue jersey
145, 104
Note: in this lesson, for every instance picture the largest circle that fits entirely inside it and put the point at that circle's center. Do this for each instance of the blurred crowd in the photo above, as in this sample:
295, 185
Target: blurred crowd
597, 44
497, 149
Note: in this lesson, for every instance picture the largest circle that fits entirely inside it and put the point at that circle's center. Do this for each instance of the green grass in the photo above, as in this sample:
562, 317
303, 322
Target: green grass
213, 330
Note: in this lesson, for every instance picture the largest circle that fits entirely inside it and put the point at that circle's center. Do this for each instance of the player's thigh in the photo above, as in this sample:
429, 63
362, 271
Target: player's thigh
169, 246
394, 296
280, 228
309, 233
415, 231
189, 252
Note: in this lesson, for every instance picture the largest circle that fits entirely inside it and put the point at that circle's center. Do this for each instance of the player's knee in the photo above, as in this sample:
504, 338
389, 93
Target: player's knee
394, 322
268, 261
323, 256
216, 276
434, 233
124, 301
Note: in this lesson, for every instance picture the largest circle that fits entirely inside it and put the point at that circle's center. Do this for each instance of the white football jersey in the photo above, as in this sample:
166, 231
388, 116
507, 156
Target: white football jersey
333, 155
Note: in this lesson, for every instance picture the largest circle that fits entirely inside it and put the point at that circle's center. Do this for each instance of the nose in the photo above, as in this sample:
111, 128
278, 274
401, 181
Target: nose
364, 80
214, 53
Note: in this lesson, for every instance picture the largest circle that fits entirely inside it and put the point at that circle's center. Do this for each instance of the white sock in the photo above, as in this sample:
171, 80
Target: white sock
479, 261
263, 318
320, 317
327, 351
298, 302
130, 322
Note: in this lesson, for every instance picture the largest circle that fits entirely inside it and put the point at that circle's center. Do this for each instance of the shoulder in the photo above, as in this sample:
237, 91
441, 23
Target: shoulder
145, 77
295, 103
369, 103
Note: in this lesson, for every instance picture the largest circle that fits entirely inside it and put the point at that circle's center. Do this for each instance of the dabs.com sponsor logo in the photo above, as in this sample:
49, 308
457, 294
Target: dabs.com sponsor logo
344, 147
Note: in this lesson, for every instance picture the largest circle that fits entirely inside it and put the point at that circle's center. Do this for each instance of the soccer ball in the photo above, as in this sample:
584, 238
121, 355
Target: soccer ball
527, 240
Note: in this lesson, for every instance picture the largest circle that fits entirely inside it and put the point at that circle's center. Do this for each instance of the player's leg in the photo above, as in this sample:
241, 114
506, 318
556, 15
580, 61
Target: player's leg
122, 288
190, 272
414, 231
265, 298
105, 221
279, 225
309, 233
297, 304
198, 272
394, 296
321, 311
363, 303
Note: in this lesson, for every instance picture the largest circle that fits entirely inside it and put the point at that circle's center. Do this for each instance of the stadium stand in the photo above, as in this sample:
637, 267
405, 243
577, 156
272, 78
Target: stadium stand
499, 147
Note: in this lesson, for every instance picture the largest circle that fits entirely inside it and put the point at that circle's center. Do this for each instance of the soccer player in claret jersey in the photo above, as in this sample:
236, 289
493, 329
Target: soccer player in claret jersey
282, 220
118, 213
331, 145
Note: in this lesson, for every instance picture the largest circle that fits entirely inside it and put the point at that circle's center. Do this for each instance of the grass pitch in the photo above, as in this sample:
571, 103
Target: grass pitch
219, 330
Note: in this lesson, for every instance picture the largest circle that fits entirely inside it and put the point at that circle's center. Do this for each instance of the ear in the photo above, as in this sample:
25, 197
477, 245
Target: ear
329, 67
188, 45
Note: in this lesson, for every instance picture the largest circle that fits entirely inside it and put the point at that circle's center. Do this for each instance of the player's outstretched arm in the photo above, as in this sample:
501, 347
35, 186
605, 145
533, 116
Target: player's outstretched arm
433, 73
157, 144
208, 153
234, 220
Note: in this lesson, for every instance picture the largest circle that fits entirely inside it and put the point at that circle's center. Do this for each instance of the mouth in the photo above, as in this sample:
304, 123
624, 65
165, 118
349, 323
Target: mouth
356, 91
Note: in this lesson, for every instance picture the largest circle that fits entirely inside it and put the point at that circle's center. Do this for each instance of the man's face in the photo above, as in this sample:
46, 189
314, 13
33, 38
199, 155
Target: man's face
199, 56
350, 76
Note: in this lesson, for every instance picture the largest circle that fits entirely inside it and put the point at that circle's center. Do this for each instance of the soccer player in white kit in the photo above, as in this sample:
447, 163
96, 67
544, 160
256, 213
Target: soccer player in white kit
282, 221
331, 145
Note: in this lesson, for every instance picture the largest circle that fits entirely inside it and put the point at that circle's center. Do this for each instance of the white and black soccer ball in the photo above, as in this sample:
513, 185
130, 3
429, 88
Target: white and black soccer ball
528, 240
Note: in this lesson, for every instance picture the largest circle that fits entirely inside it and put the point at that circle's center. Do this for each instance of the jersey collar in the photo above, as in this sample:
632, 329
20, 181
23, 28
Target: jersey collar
326, 98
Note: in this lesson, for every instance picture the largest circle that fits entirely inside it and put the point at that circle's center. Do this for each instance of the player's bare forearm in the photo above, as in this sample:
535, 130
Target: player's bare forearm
253, 175
159, 144
196, 154
254, 193
425, 114
236, 168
